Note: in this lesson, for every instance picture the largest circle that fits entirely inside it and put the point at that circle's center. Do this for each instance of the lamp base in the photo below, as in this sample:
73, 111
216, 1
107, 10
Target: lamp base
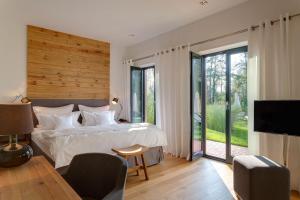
15, 157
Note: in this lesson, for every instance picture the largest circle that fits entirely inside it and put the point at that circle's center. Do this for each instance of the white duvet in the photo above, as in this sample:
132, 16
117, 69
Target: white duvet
64, 144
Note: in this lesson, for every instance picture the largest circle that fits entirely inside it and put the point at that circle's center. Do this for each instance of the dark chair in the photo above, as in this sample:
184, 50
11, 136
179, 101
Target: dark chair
97, 176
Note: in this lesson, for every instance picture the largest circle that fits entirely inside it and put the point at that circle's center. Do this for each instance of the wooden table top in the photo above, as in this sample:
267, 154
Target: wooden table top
34, 180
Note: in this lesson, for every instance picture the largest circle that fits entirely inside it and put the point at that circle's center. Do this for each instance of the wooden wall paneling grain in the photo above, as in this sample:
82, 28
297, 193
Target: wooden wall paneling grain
65, 66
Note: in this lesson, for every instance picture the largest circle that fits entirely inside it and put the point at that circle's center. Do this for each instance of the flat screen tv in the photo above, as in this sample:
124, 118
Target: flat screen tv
278, 117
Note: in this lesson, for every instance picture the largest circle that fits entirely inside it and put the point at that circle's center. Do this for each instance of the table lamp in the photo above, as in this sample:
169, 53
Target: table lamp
116, 101
15, 119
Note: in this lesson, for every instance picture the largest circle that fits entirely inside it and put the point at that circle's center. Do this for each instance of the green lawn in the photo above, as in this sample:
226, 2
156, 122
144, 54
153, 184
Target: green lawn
239, 134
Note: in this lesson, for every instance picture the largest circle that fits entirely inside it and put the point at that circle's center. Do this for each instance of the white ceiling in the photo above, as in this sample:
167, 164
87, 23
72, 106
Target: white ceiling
115, 20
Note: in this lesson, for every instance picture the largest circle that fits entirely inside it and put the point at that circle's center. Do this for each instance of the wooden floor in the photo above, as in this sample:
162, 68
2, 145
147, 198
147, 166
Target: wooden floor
176, 179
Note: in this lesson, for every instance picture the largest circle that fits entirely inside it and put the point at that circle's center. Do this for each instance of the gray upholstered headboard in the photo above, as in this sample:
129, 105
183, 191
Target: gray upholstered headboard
64, 102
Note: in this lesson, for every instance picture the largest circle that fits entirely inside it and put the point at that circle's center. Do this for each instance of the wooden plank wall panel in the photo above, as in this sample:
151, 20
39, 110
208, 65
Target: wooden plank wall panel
64, 66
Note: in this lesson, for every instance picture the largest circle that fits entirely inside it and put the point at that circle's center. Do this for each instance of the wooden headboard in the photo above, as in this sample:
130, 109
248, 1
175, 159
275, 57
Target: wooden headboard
64, 66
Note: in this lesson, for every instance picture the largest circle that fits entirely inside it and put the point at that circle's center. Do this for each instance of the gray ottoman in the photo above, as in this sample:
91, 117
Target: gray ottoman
259, 178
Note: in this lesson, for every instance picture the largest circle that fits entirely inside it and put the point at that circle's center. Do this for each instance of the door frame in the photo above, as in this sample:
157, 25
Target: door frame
228, 54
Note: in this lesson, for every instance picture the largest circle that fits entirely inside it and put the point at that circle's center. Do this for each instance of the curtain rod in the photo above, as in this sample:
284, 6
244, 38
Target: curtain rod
218, 37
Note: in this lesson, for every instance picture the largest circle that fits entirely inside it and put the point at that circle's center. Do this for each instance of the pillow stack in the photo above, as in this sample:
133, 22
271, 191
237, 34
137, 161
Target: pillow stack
63, 118
94, 116
56, 118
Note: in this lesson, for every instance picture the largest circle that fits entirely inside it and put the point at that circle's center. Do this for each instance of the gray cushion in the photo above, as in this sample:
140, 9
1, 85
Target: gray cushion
257, 177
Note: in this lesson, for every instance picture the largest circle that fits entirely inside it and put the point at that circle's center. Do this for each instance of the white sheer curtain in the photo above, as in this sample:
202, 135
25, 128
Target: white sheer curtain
173, 99
274, 71
126, 84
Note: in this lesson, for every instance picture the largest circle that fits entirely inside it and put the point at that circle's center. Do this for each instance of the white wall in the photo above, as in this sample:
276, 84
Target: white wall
13, 49
242, 16
116, 72
13, 39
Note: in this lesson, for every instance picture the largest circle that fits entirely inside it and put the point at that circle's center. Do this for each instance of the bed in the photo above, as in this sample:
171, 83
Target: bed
59, 146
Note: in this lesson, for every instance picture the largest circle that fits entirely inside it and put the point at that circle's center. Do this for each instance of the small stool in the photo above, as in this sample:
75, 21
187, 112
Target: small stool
135, 150
257, 177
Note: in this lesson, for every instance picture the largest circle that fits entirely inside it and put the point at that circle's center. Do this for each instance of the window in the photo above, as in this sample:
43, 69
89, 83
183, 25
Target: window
219, 104
143, 95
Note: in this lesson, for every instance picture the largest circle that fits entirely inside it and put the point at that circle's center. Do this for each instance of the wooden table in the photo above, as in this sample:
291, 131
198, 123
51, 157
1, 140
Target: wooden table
34, 180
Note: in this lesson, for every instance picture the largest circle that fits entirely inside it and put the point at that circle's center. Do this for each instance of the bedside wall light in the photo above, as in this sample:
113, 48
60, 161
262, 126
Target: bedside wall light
25, 100
22, 98
115, 101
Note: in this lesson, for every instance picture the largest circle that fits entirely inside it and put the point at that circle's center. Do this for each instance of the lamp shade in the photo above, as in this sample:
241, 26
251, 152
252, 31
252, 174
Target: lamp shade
25, 100
15, 119
115, 100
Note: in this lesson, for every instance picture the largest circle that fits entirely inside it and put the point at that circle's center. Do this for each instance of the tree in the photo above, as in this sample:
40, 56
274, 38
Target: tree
239, 80
216, 77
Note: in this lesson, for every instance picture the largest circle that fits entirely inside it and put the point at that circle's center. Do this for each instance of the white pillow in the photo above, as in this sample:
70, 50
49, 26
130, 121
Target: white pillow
88, 119
48, 122
93, 109
53, 111
105, 117
100, 118
83, 108
63, 122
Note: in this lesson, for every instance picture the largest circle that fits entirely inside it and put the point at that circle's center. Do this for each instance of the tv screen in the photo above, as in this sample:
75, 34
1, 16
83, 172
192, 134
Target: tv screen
279, 117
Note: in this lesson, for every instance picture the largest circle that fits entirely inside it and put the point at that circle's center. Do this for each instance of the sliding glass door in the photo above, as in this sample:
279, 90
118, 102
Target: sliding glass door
216, 101
223, 97
239, 103
143, 95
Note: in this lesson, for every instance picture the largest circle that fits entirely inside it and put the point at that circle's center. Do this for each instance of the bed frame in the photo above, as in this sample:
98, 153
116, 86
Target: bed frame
153, 156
